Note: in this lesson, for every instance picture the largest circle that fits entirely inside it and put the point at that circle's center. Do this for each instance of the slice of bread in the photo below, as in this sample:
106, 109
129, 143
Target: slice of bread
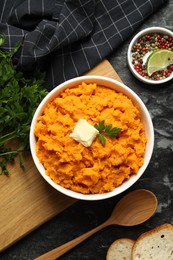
156, 244
120, 249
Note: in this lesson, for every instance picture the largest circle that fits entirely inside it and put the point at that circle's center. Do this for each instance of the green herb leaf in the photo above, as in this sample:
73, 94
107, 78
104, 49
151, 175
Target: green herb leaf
106, 130
101, 126
102, 139
112, 132
19, 98
2, 40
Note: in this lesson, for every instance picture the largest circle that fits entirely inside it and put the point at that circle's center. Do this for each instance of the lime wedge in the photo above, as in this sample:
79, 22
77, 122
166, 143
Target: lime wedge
159, 60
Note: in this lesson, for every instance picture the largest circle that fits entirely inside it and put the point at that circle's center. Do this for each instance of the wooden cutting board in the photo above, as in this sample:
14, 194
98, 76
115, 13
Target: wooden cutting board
27, 201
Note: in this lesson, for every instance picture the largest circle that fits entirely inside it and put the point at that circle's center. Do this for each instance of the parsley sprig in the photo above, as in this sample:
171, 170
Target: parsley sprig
106, 130
19, 98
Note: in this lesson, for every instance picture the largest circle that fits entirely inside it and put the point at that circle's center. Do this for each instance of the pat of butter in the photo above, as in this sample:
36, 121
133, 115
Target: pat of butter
84, 133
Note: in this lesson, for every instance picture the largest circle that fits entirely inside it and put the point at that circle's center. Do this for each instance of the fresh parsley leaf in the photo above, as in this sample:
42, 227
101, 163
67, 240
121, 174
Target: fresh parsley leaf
19, 98
100, 127
2, 40
108, 127
106, 130
112, 132
102, 139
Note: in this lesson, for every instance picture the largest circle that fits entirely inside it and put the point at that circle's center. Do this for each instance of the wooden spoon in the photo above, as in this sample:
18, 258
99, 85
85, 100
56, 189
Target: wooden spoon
133, 209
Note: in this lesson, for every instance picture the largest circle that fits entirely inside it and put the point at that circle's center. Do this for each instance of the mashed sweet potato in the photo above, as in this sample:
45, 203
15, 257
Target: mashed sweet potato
94, 169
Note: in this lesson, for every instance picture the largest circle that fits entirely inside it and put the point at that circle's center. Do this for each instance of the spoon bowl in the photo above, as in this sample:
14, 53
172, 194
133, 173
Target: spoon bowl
133, 209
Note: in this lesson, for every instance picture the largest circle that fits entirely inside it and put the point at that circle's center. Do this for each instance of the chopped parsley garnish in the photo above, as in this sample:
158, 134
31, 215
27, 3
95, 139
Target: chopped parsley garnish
106, 130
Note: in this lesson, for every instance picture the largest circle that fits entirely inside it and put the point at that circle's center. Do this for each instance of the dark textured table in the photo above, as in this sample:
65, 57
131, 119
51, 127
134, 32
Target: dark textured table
158, 177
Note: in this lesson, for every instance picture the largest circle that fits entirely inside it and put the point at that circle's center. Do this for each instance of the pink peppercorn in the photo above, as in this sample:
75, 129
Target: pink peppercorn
148, 37
157, 78
148, 43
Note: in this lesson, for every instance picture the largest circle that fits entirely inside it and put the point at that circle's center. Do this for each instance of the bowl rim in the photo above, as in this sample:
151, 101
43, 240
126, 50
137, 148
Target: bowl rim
109, 83
134, 39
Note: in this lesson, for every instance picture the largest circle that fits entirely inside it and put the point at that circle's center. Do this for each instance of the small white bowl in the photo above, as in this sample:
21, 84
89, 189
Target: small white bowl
145, 117
129, 54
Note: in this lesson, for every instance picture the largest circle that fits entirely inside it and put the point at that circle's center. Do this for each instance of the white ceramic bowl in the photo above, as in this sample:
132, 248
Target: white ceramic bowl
145, 116
129, 54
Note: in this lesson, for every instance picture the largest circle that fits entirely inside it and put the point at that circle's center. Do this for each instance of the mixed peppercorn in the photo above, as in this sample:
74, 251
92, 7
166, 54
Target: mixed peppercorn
145, 45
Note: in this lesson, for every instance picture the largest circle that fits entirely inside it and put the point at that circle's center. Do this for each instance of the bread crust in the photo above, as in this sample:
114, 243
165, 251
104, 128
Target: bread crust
154, 240
116, 246
155, 244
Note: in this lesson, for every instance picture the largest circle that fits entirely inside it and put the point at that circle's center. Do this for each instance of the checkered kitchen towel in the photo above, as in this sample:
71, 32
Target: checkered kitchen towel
66, 38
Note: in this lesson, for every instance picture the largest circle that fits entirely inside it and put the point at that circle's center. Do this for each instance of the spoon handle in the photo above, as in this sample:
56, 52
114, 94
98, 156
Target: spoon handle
59, 251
